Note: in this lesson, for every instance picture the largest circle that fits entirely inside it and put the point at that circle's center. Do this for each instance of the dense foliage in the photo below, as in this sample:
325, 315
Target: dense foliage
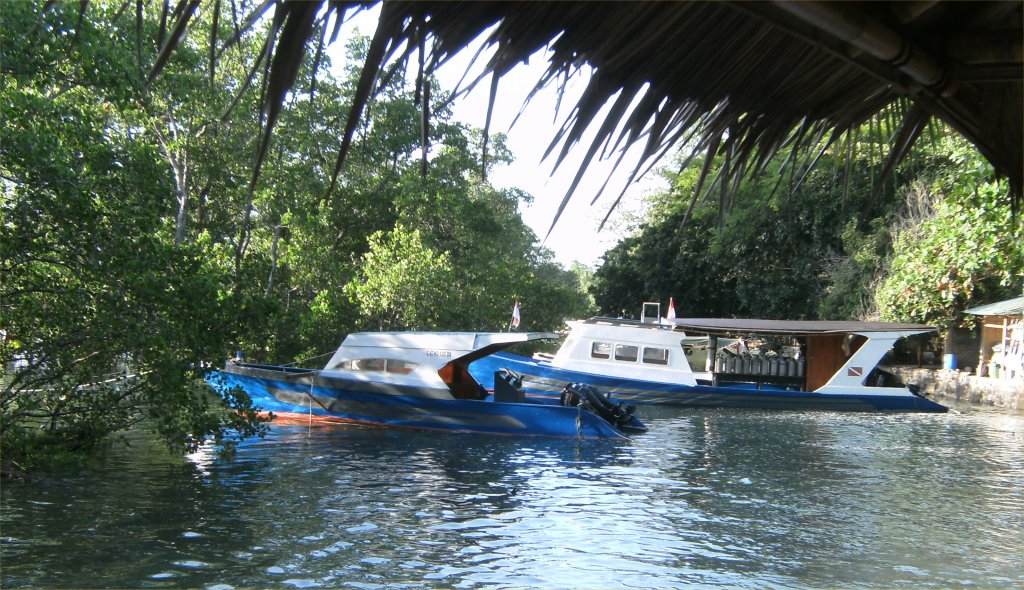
962, 248
132, 242
936, 238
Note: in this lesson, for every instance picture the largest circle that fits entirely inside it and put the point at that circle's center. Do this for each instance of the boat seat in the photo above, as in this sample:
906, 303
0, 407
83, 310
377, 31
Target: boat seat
506, 389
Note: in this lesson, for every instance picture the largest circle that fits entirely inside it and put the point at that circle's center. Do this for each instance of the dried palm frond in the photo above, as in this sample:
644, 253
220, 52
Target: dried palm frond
739, 78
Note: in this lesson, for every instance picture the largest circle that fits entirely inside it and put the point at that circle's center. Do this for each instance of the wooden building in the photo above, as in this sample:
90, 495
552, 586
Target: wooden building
1002, 339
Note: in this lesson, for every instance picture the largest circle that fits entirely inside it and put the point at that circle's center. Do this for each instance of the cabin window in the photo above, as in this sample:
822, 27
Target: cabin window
379, 365
400, 367
368, 365
601, 350
626, 352
655, 356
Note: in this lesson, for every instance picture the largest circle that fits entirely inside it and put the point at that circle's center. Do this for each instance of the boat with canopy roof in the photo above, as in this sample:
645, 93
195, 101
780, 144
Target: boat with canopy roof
735, 363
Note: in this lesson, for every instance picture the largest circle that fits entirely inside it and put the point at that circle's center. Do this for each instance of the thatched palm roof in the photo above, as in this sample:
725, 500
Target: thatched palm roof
740, 79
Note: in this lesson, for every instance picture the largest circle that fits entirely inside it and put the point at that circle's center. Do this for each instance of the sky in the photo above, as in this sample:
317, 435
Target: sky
575, 237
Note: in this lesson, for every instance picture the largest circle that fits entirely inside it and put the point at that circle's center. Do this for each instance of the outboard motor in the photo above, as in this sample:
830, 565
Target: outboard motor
619, 415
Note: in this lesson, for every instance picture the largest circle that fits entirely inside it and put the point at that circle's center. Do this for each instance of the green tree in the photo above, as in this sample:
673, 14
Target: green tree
804, 245
92, 287
965, 248
132, 240
494, 253
402, 284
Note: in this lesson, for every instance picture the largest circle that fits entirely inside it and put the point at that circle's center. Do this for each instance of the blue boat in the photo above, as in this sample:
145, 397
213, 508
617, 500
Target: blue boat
819, 365
421, 380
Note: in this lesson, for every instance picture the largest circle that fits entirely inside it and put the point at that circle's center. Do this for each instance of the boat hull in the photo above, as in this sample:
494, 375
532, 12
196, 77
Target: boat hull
542, 382
291, 392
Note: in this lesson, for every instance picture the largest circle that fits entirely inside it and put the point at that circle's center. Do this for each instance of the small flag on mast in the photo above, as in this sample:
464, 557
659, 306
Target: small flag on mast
515, 315
671, 309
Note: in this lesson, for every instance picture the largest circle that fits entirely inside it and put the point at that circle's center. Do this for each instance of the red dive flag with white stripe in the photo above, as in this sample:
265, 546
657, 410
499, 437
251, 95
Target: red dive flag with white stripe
515, 315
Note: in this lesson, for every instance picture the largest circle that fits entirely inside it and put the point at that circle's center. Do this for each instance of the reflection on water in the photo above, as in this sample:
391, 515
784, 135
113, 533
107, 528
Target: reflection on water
705, 498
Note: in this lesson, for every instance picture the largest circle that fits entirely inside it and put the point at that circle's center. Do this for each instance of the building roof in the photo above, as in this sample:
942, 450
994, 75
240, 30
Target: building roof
1013, 306
725, 326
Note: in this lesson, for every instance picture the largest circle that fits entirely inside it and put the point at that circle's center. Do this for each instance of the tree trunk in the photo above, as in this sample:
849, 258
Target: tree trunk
273, 256
179, 231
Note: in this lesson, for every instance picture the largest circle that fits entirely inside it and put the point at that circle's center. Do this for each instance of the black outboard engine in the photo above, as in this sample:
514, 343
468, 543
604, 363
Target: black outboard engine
619, 415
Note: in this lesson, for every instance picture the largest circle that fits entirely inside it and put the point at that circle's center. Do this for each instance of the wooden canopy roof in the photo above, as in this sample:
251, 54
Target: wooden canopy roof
727, 326
740, 79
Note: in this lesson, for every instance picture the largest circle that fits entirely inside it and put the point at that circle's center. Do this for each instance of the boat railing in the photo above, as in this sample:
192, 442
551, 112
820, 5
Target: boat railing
625, 322
279, 368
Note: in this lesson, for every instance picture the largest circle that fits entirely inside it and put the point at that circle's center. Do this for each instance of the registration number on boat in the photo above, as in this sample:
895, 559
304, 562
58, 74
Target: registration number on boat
444, 353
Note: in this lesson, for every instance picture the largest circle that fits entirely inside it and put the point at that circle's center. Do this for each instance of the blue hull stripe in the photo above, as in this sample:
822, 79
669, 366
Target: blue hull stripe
295, 394
545, 381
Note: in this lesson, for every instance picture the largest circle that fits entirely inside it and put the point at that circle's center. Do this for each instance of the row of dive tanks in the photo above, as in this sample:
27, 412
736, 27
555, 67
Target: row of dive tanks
760, 365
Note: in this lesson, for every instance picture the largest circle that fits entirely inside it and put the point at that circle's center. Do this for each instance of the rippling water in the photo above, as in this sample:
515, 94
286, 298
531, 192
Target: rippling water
733, 499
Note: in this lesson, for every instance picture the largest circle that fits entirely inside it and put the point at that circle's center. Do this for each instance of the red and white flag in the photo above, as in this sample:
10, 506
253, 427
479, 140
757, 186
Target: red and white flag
515, 315
671, 309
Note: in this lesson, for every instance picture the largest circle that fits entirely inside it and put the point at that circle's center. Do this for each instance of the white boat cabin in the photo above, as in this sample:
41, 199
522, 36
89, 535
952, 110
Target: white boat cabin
826, 357
631, 349
432, 360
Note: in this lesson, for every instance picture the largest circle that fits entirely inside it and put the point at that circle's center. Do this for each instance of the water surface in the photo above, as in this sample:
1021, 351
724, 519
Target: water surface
705, 499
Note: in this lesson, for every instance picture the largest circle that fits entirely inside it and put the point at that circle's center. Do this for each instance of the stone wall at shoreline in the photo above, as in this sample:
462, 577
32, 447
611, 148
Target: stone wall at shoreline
962, 386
